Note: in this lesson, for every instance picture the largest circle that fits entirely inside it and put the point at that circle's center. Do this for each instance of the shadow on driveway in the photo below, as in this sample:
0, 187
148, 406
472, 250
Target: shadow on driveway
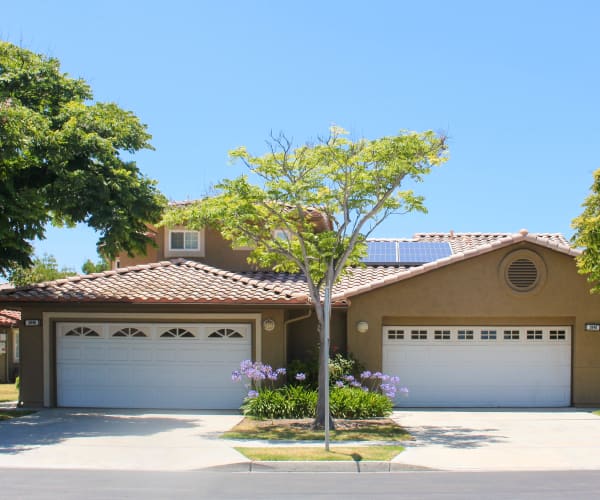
53, 426
455, 436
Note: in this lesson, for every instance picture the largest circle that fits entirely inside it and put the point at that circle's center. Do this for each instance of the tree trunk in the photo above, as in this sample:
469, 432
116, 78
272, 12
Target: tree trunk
323, 410
319, 422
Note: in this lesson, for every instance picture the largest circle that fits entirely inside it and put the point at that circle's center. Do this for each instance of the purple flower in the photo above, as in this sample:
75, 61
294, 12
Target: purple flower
365, 389
252, 394
404, 390
339, 384
280, 371
300, 376
236, 376
355, 383
365, 374
377, 375
349, 378
394, 379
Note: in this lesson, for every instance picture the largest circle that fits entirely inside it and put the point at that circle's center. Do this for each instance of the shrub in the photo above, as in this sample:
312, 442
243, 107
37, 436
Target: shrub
287, 402
341, 365
301, 402
351, 402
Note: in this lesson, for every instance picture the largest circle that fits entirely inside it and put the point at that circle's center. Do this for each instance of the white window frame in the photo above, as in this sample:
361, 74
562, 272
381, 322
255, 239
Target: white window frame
16, 348
178, 252
185, 233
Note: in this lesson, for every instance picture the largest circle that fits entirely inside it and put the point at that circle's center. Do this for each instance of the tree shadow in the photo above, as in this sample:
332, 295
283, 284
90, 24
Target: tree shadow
454, 436
48, 426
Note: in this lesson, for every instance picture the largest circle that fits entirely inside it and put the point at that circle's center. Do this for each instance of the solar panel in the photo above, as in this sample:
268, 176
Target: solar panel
408, 253
420, 252
381, 252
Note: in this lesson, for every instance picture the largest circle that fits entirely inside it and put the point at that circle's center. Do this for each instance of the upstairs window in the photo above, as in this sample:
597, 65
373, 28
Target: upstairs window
180, 241
184, 240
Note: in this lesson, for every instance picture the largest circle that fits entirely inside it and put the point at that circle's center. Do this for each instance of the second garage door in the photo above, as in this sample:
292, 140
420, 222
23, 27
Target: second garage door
150, 365
475, 366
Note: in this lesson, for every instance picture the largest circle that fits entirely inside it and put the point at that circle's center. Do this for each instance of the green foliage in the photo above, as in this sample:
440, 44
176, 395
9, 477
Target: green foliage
350, 402
89, 267
300, 402
42, 269
310, 368
18, 383
342, 365
587, 235
287, 402
61, 161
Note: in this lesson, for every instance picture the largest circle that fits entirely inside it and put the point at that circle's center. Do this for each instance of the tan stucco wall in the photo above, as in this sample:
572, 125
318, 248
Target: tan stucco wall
217, 252
303, 336
473, 292
32, 370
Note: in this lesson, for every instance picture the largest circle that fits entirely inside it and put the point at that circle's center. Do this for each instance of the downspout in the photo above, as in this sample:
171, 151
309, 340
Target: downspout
285, 329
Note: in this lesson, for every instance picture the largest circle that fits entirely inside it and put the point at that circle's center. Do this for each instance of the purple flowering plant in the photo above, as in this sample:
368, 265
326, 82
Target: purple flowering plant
256, 376
387, 385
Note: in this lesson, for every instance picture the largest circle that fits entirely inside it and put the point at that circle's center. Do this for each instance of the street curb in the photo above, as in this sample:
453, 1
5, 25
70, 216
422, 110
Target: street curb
319, 466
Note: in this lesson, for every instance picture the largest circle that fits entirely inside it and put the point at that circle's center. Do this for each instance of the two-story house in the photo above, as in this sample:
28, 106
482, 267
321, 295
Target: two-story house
486, 319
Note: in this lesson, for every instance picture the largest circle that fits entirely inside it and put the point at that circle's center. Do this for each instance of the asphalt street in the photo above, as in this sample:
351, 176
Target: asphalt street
97, 485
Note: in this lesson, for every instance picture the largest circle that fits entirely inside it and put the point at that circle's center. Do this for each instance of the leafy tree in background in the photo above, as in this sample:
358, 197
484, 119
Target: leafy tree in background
41, 269
61, 161
587, 235
90, 267
354, 185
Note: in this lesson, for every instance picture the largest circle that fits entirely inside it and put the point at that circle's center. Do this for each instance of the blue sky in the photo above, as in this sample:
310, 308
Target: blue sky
513, 83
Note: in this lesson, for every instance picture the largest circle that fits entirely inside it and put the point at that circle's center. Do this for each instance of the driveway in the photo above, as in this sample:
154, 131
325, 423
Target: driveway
118, 440
498, 439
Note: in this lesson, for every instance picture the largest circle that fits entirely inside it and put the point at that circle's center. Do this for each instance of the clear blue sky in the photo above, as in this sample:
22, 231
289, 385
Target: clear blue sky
515, 84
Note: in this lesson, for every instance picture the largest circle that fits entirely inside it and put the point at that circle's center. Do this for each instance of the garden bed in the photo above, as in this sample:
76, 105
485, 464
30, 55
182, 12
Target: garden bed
380, 429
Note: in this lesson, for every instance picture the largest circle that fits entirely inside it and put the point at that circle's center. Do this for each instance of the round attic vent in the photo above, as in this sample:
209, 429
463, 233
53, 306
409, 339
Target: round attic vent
522, 274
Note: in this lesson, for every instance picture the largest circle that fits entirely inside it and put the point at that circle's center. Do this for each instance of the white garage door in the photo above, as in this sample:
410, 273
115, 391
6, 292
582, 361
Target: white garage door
480, 366
150, 365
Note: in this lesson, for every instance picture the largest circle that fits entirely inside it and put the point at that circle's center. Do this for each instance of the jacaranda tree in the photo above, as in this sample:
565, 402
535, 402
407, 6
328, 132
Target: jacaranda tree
313, 206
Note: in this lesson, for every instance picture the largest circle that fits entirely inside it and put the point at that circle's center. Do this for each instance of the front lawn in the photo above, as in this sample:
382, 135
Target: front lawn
383, 429
8, 392
313, 453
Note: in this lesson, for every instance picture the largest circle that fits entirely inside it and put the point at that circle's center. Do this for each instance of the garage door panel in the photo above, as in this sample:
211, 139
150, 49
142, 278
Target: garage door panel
142, 353
474, 372
150, 371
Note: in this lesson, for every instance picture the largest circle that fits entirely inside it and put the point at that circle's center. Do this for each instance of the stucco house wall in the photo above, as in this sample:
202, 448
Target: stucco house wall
474, 292
33, 364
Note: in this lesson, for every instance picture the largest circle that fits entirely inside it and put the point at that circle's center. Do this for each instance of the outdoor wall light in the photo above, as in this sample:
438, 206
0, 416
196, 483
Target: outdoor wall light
268, 325
362, 327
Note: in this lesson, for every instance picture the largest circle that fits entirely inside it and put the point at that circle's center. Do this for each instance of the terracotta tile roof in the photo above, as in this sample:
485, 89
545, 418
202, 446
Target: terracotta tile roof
460, 242
468, 245
176, 281
8, 318
184, 281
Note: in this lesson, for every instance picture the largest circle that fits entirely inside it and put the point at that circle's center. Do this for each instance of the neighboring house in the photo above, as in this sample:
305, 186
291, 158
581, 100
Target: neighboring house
9, 345
463, 319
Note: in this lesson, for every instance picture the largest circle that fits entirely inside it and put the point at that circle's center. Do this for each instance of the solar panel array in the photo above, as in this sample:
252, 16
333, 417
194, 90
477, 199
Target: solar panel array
407, 253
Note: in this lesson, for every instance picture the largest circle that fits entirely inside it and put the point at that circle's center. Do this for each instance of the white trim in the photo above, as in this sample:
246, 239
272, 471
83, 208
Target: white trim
196, 252
16, 346
48, 317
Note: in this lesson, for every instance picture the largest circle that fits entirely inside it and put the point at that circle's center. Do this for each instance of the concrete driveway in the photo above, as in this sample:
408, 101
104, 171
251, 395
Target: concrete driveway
498, 439
118, 439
